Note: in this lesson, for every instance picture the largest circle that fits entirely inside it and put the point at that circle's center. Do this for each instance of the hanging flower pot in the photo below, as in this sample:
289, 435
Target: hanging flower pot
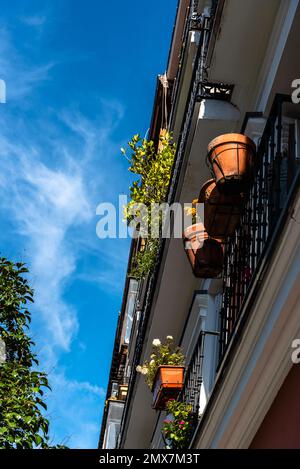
168, 383
164, 372
221, 211
204, 253
232, 159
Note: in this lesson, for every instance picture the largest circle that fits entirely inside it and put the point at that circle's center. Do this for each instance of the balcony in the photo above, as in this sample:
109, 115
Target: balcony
269, 198
268, 201
193, 392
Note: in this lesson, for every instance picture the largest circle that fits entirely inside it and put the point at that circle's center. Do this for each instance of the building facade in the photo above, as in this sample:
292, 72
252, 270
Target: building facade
231, 69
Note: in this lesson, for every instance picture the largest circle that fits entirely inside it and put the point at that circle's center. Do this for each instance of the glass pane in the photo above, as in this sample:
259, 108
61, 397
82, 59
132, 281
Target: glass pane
132, 292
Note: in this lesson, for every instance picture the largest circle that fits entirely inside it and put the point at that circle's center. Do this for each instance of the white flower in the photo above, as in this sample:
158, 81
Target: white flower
152, 362
144, 371
169, 337
156, 343
153, 355
139, 369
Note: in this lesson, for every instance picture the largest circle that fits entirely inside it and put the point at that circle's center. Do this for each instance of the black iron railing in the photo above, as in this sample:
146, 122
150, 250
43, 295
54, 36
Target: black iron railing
193, 377
193, 22
200, 88
221, 91
193, 380
245, 251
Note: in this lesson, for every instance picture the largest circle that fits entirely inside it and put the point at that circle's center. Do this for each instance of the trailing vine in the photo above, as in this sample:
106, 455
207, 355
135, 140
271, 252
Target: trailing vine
154, 168
178, 429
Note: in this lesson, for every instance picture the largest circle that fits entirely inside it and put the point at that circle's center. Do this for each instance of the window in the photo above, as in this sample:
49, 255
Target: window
114, 416
129, 312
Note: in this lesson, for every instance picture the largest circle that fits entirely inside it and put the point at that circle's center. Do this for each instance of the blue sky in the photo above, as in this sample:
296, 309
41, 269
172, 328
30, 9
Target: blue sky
80, 79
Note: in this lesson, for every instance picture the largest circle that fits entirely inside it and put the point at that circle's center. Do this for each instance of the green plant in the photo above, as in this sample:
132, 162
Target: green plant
178, 429
154, 168
144, 261
163, 354
192, 211
22, 424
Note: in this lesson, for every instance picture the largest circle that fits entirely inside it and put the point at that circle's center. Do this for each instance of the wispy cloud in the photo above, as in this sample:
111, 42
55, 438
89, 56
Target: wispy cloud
73, 385
44, 204
76, 402
21, 78
34, 20
53, 173
52, 208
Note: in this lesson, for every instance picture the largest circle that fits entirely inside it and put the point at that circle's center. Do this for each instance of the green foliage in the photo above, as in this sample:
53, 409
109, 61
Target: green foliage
154, 169
144, 261
22, 424
178, 430
163, 354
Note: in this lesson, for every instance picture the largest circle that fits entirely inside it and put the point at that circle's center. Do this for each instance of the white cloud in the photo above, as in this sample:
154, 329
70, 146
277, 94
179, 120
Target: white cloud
44, 204
50, 184
76, 402
47, 204
21, 79
34, 20
60, 381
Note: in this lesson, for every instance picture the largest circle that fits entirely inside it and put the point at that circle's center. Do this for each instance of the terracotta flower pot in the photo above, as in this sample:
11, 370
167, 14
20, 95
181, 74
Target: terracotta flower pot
221, 211
204, 253
232, 159
167, 385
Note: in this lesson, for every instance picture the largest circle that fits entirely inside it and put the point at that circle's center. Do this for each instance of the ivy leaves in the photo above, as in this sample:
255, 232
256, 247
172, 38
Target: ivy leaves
22, 423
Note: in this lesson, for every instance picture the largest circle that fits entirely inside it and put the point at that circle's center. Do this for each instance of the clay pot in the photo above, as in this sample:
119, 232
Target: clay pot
168, 383
232, 158
204, 253
221, 211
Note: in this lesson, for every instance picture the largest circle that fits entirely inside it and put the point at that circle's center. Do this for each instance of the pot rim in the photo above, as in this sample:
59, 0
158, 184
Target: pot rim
230, 138
193, 230
210, 182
